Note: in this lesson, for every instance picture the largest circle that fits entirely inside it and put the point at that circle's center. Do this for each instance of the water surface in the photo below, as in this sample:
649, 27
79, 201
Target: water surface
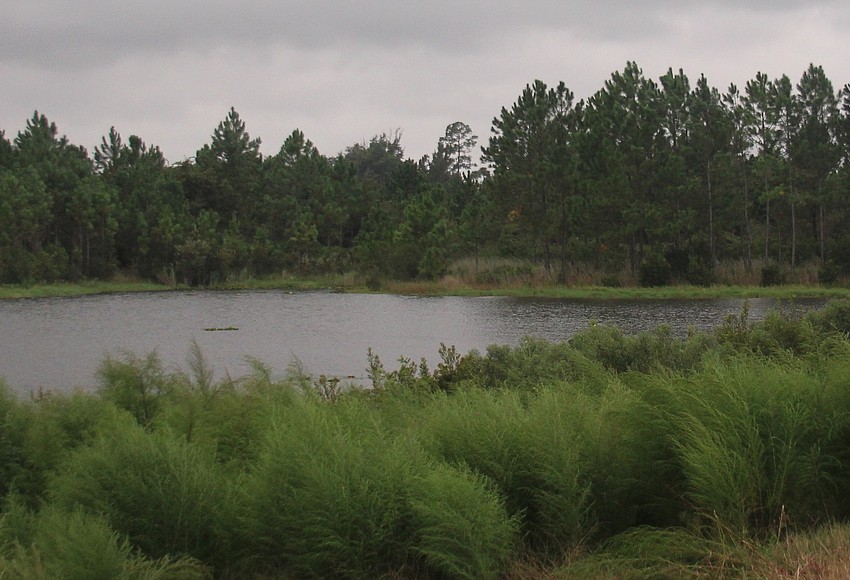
58, 343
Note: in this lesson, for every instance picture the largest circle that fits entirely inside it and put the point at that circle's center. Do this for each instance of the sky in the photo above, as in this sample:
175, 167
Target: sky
344, 71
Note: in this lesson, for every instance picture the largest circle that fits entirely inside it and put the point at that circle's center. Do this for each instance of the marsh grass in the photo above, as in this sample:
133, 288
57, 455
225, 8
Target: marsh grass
532, 459
137, 385
662, 553
163, 493
80, 289
823, 555
760, 444
57, 544
505, 278
334, 493
459, 524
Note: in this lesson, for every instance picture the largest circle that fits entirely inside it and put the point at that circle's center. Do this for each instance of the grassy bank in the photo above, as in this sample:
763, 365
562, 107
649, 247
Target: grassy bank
80, 289
351, 283
611, 456
788, 292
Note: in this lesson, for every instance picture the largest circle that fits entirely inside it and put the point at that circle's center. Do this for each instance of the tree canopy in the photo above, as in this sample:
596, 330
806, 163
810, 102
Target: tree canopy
662, 179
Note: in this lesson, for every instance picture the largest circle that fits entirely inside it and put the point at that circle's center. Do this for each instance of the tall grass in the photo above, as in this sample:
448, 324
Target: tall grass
162, 493
762, 443
333, 495
533, 461
137, 385
459, 524
74, 545
35, 437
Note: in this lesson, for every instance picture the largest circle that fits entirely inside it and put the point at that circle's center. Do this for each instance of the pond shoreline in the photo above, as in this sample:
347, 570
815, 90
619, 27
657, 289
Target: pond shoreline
788, 292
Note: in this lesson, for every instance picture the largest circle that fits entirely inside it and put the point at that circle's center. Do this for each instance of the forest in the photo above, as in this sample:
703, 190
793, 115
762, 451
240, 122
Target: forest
645, 182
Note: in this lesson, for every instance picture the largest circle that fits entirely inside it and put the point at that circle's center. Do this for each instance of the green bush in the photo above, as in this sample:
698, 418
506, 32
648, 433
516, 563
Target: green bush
13, 466
75, 545
533, 461
530, 364
46, 430
459, 524
646, 351
773, 275
327, 495
699, 272
833, 318
761, 445
137, 385
161, 492
655, 271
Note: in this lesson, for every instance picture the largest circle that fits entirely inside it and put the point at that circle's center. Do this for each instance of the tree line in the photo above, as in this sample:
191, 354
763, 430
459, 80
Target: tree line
664, 180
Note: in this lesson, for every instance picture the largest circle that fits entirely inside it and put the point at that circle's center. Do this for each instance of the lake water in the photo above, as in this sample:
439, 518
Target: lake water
58, 343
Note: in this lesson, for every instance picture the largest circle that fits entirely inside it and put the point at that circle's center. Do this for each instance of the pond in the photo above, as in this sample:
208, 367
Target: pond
58, 343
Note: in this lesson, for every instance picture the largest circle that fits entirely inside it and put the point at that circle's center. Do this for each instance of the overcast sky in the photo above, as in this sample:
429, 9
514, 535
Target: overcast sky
345, 70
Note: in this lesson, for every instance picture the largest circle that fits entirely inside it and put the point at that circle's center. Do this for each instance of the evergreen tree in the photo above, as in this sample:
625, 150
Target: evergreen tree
525, 151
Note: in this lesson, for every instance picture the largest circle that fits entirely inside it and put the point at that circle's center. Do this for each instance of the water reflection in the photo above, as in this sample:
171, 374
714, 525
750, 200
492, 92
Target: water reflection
58, 343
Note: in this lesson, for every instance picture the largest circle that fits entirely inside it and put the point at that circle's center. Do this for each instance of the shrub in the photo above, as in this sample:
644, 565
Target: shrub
833, 318
13, 467
829, 272
327, 496
760, 445
773, 275
533, 461
646, 351
137, 385
655, 271
699, 272
460, 527
76, 545
161, 492
49, 428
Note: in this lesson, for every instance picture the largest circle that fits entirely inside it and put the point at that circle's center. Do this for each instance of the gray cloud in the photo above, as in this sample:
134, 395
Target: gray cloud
62, 33
344, 71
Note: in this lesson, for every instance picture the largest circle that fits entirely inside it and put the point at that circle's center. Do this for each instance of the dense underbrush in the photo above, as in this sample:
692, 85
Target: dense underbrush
611, 455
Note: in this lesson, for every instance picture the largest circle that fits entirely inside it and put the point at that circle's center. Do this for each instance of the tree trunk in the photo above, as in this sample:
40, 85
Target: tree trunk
793, 235
766, 218
710, 217
748, 259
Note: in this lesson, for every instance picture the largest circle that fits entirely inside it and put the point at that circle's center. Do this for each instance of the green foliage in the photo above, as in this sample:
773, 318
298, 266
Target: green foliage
759, 447
136, 385
645, 351
164, 494
50, 428
12, 454
58, 544
655, 271
833, 318
460, 526
773, 275
642, 173
530, 460
326, 497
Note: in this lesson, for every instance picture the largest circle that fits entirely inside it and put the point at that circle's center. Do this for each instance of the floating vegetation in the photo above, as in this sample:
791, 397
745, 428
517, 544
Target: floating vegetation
224, 329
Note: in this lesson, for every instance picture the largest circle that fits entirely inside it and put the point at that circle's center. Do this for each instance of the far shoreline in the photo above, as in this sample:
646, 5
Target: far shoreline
430, 288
